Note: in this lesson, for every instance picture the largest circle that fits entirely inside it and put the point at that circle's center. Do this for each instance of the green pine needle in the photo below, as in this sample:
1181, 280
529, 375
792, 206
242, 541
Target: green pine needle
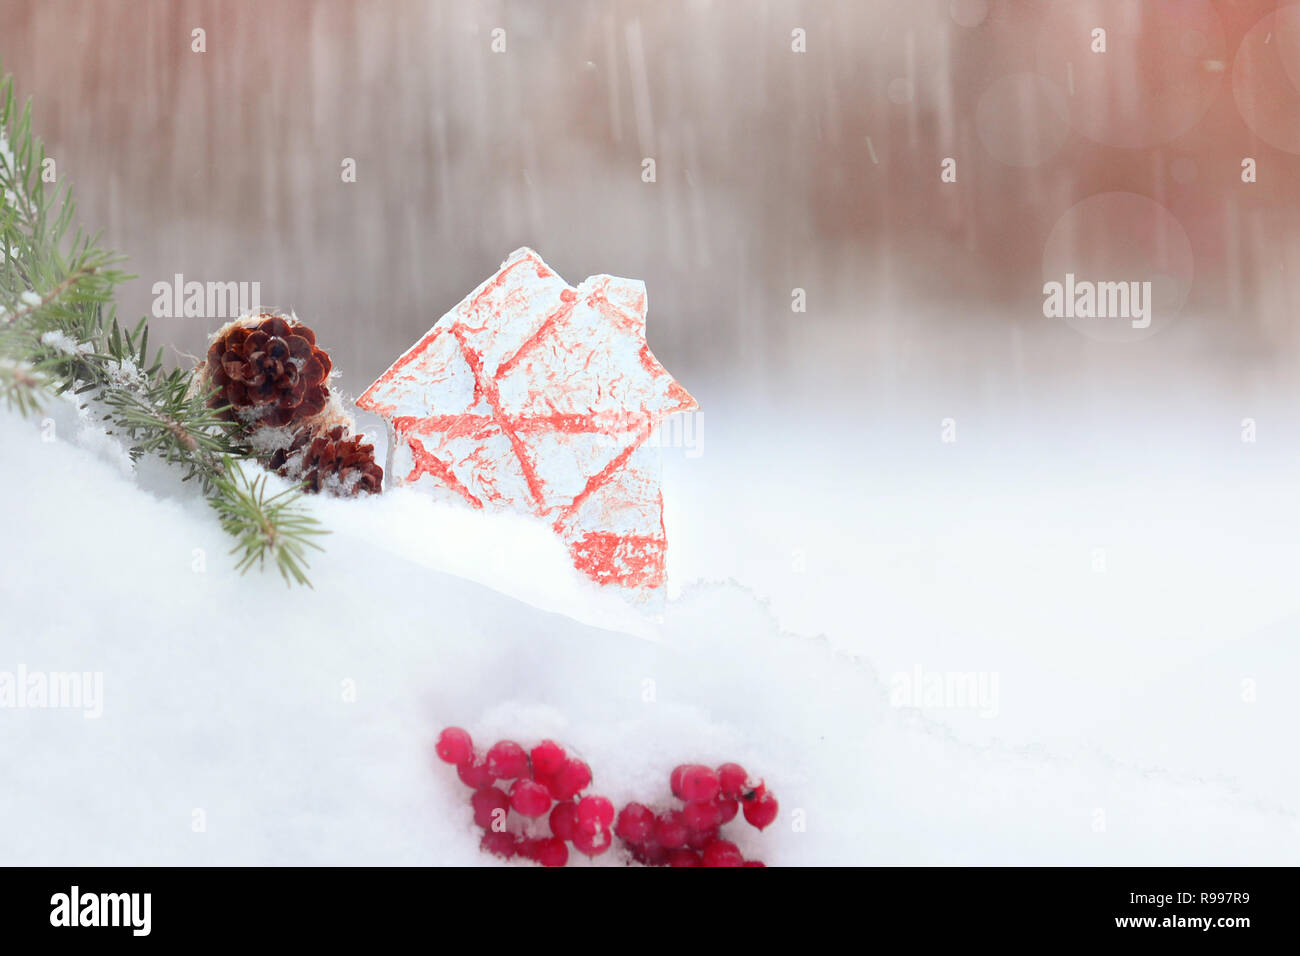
274, 527
59, 333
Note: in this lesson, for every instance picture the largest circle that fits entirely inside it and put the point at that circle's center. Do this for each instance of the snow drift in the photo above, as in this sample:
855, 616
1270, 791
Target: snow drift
247, 723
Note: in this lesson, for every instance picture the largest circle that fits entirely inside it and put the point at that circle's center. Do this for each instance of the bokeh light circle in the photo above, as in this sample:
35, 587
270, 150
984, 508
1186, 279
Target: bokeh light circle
1164, 63
1266, 79
1121, 237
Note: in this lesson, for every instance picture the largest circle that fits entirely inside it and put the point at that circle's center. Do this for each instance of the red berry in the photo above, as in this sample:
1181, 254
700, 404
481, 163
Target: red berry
675, 780
490, 807
754, 863
529, 797
592, 842
636, 824
551, 852
507, 760
696, 782
570, 779
727, 808
702, 816
548, 758
699, 839
454, 746
651, 854
502, 844
564, 820
731, 778
722, 853
474, 774
684, 858
671, 830
761, 809
595, 813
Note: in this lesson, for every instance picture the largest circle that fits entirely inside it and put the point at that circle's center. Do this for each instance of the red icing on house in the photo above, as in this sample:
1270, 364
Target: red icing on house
426, 464
541, 399
629, 560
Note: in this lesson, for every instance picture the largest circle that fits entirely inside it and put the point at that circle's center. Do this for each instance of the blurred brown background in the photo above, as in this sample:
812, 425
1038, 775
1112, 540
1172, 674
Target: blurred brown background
775, 169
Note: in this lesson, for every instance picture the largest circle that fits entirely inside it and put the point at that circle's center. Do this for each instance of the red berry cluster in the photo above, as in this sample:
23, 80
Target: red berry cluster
546, 780
544, 776
690, 836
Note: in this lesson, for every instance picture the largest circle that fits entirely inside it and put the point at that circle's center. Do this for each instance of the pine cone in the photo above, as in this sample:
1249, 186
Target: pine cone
270, 373
340, 464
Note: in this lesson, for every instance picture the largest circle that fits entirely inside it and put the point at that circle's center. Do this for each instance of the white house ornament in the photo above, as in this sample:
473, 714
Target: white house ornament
534, 396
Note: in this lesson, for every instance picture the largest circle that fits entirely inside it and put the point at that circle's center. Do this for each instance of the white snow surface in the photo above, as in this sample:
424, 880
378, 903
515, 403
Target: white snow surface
224, 696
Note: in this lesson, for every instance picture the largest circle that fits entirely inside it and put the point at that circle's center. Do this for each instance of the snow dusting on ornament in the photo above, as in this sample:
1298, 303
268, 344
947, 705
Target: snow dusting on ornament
535, 396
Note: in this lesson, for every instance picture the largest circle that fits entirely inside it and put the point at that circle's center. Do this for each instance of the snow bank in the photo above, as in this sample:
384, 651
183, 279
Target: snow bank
244, 722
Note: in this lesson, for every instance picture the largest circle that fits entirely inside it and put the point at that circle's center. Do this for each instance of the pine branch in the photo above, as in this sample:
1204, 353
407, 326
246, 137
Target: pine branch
59, 333
264, 527
22, 387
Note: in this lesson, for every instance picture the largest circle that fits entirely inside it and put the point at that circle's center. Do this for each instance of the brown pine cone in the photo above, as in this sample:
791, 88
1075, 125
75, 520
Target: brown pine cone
270, 373
330, 460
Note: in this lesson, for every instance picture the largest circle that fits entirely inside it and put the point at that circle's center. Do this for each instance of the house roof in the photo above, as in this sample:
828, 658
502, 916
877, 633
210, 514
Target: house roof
523, 324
